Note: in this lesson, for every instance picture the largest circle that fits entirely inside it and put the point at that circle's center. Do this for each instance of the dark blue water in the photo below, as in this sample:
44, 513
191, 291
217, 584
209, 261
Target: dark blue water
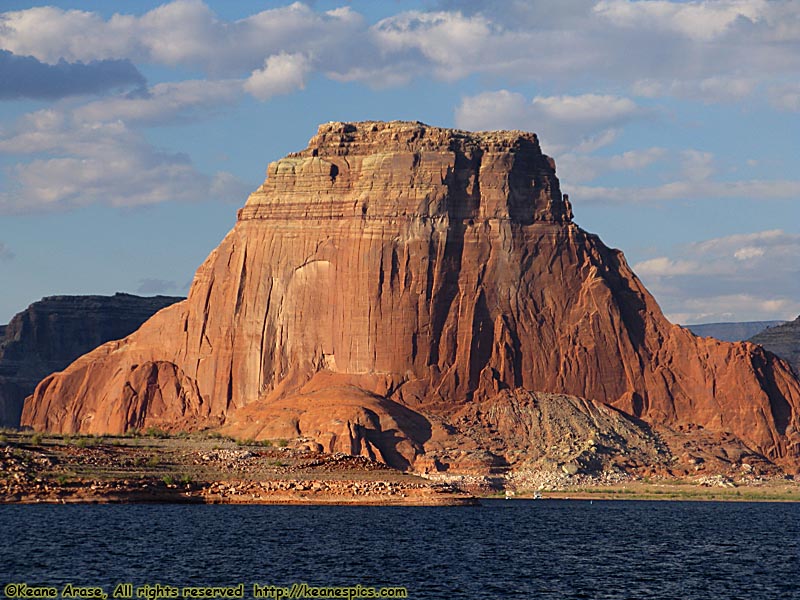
503, 549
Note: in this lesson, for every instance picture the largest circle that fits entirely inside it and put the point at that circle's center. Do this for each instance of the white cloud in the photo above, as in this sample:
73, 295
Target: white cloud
493, 110
688, 189
164, 102
98, 163
665, 267
453, 44
748, 252
710, 89
561, 121
50, 33
774, 239
282, 73
713, 50
698, 20
734, 308
577, 167
713, 280
182, 32
587, 108
697, 166
786, 97
595, 142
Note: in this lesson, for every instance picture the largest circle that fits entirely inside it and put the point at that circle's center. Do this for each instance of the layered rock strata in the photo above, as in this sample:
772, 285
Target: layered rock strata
53, 332
783, 340
391, 273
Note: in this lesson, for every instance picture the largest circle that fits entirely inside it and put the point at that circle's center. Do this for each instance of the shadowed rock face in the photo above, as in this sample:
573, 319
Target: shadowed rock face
393, 273
783, 340
51, 333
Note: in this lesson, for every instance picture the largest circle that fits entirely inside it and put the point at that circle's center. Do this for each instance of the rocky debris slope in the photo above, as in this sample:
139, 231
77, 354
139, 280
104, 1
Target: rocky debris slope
394, 273
53, 332
538, 431
783, 340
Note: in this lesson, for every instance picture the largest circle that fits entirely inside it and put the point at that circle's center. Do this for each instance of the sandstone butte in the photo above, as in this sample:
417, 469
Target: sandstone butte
392, 275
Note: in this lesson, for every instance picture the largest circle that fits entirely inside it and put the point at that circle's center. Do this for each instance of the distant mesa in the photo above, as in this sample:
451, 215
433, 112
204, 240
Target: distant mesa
422, 295
732, 332
51, 333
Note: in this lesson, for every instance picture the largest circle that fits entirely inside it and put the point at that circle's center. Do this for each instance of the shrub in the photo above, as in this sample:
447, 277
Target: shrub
156, 432
153, 461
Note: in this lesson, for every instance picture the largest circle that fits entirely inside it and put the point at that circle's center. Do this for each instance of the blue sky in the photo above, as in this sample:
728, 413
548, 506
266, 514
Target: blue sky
131, 132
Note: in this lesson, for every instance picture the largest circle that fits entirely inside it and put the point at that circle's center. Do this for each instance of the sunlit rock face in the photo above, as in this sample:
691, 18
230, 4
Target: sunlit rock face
392, 273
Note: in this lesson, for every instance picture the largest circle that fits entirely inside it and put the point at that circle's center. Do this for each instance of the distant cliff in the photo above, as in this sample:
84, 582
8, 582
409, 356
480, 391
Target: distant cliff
51, 333
732, 332
783, 340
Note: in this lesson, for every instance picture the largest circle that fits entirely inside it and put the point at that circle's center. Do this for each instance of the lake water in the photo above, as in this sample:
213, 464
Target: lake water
502, 549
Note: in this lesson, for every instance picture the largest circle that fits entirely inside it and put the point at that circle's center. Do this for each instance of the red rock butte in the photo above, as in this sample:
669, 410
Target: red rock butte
394, 274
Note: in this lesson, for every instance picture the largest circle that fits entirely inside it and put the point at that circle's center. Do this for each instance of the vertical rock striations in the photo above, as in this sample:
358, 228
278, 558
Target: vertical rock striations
391, 273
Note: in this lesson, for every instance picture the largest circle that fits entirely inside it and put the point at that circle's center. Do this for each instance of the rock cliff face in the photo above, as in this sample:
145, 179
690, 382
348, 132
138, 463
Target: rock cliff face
51, 333
783, 340
392, 274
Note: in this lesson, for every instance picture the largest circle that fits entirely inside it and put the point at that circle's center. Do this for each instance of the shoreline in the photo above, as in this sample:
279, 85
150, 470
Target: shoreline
49, 469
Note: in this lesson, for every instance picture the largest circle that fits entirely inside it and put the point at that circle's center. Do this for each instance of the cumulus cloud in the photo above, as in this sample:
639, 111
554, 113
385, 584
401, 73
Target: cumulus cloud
713, 280
282, 73
98, 163
27, 77
707, 49
454, 45
695, 20
180, 33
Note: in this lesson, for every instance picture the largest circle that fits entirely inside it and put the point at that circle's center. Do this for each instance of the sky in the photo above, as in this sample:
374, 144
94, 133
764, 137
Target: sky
130, 132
